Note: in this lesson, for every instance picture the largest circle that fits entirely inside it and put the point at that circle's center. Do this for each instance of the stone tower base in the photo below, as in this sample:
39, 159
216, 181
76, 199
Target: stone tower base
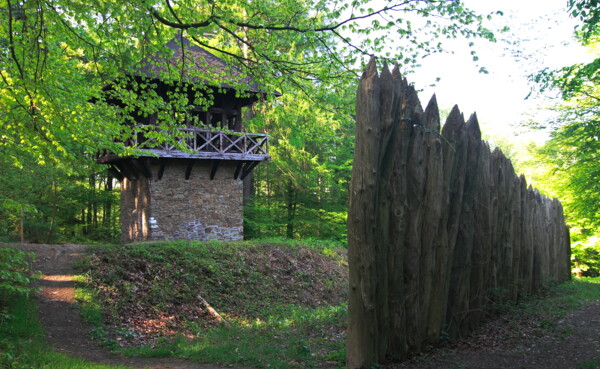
175, 208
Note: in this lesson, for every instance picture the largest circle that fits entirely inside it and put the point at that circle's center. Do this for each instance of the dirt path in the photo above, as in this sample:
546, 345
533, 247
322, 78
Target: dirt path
574, 342
61, 319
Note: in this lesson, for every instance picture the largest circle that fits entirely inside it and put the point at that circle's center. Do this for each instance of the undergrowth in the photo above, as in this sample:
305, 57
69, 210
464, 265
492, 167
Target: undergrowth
283, 304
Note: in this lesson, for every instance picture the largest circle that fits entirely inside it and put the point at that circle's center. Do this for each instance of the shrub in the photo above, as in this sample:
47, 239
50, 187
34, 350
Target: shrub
15, 276
585, 256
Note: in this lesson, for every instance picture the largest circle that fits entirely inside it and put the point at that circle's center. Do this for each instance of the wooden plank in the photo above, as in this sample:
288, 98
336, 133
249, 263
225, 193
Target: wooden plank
454, 145
434, 234
481, 253
458, 302
388, 110
415, 182
204, 155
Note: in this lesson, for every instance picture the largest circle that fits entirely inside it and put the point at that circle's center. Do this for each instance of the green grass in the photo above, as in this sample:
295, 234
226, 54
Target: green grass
561, 299
298, 338
23, 344
594, 364
284, 302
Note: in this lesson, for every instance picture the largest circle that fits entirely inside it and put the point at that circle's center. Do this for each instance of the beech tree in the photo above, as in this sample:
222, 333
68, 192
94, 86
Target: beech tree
56, 56
570, 158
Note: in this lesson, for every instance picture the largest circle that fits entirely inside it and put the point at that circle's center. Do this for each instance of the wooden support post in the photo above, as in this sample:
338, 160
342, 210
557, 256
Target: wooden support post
127, 169
145, 167
248, 168
188, 170
161, 169
238, 168
213, 170
115, 172
141, 167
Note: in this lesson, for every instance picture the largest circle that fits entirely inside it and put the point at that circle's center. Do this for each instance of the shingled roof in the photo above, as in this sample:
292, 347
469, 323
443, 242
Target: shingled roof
196, 65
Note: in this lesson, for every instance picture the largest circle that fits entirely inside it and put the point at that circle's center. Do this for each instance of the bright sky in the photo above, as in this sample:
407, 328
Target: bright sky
498, 98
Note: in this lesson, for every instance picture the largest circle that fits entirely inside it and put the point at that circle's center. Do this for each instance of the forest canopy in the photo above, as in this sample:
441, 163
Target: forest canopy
58, 55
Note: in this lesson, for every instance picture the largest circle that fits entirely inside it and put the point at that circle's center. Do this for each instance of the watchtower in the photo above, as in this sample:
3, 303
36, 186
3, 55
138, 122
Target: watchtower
191, 187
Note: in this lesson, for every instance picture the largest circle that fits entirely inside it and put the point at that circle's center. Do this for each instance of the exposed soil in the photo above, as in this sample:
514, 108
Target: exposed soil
573, 342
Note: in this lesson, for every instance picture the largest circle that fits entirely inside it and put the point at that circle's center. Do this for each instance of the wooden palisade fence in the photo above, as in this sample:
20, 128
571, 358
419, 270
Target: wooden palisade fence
440, 229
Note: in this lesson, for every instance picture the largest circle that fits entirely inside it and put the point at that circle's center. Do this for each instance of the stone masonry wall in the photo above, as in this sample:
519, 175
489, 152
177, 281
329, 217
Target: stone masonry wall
178, 209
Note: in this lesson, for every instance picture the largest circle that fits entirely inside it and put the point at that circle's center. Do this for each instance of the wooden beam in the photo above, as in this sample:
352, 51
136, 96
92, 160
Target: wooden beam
213, 170
205, 155
238, 168
127, 170
140, 167
109, 159
161, 169
146, 167
188, 170
114, 171
248, 168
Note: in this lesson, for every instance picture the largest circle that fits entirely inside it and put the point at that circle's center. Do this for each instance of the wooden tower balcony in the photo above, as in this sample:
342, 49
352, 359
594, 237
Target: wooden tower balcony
199, 143
193, 143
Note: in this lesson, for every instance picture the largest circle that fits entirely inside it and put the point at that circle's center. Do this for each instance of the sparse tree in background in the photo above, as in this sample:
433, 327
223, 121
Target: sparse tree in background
569, 162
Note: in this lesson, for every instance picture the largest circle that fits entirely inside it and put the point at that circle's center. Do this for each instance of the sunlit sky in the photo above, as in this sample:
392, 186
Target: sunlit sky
543, 31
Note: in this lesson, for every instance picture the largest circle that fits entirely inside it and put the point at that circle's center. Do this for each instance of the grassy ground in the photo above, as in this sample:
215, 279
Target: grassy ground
542, 311
283, 303
23, 344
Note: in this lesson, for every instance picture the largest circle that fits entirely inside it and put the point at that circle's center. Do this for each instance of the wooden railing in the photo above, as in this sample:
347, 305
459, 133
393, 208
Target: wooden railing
204, 143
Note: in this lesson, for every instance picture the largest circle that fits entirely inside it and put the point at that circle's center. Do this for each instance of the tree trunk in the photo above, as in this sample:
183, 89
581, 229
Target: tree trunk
291, 210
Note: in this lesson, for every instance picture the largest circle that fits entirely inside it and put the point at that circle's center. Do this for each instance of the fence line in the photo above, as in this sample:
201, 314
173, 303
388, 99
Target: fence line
440, 228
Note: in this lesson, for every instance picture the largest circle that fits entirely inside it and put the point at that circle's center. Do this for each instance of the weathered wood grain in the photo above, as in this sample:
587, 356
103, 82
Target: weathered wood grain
441, 230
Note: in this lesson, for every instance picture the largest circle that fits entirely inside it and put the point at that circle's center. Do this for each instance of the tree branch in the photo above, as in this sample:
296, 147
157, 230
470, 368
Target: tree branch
180, 25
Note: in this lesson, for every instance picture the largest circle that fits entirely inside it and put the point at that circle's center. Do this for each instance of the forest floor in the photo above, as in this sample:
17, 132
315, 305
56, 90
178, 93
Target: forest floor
572, 341
65, 329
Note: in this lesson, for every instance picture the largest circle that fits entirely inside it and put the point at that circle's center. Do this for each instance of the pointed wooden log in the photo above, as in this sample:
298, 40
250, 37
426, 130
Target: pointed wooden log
455, 146
399, 217
362, 332
517, 240
434, 231
481, 249
415, 183
384, 161
458, 304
